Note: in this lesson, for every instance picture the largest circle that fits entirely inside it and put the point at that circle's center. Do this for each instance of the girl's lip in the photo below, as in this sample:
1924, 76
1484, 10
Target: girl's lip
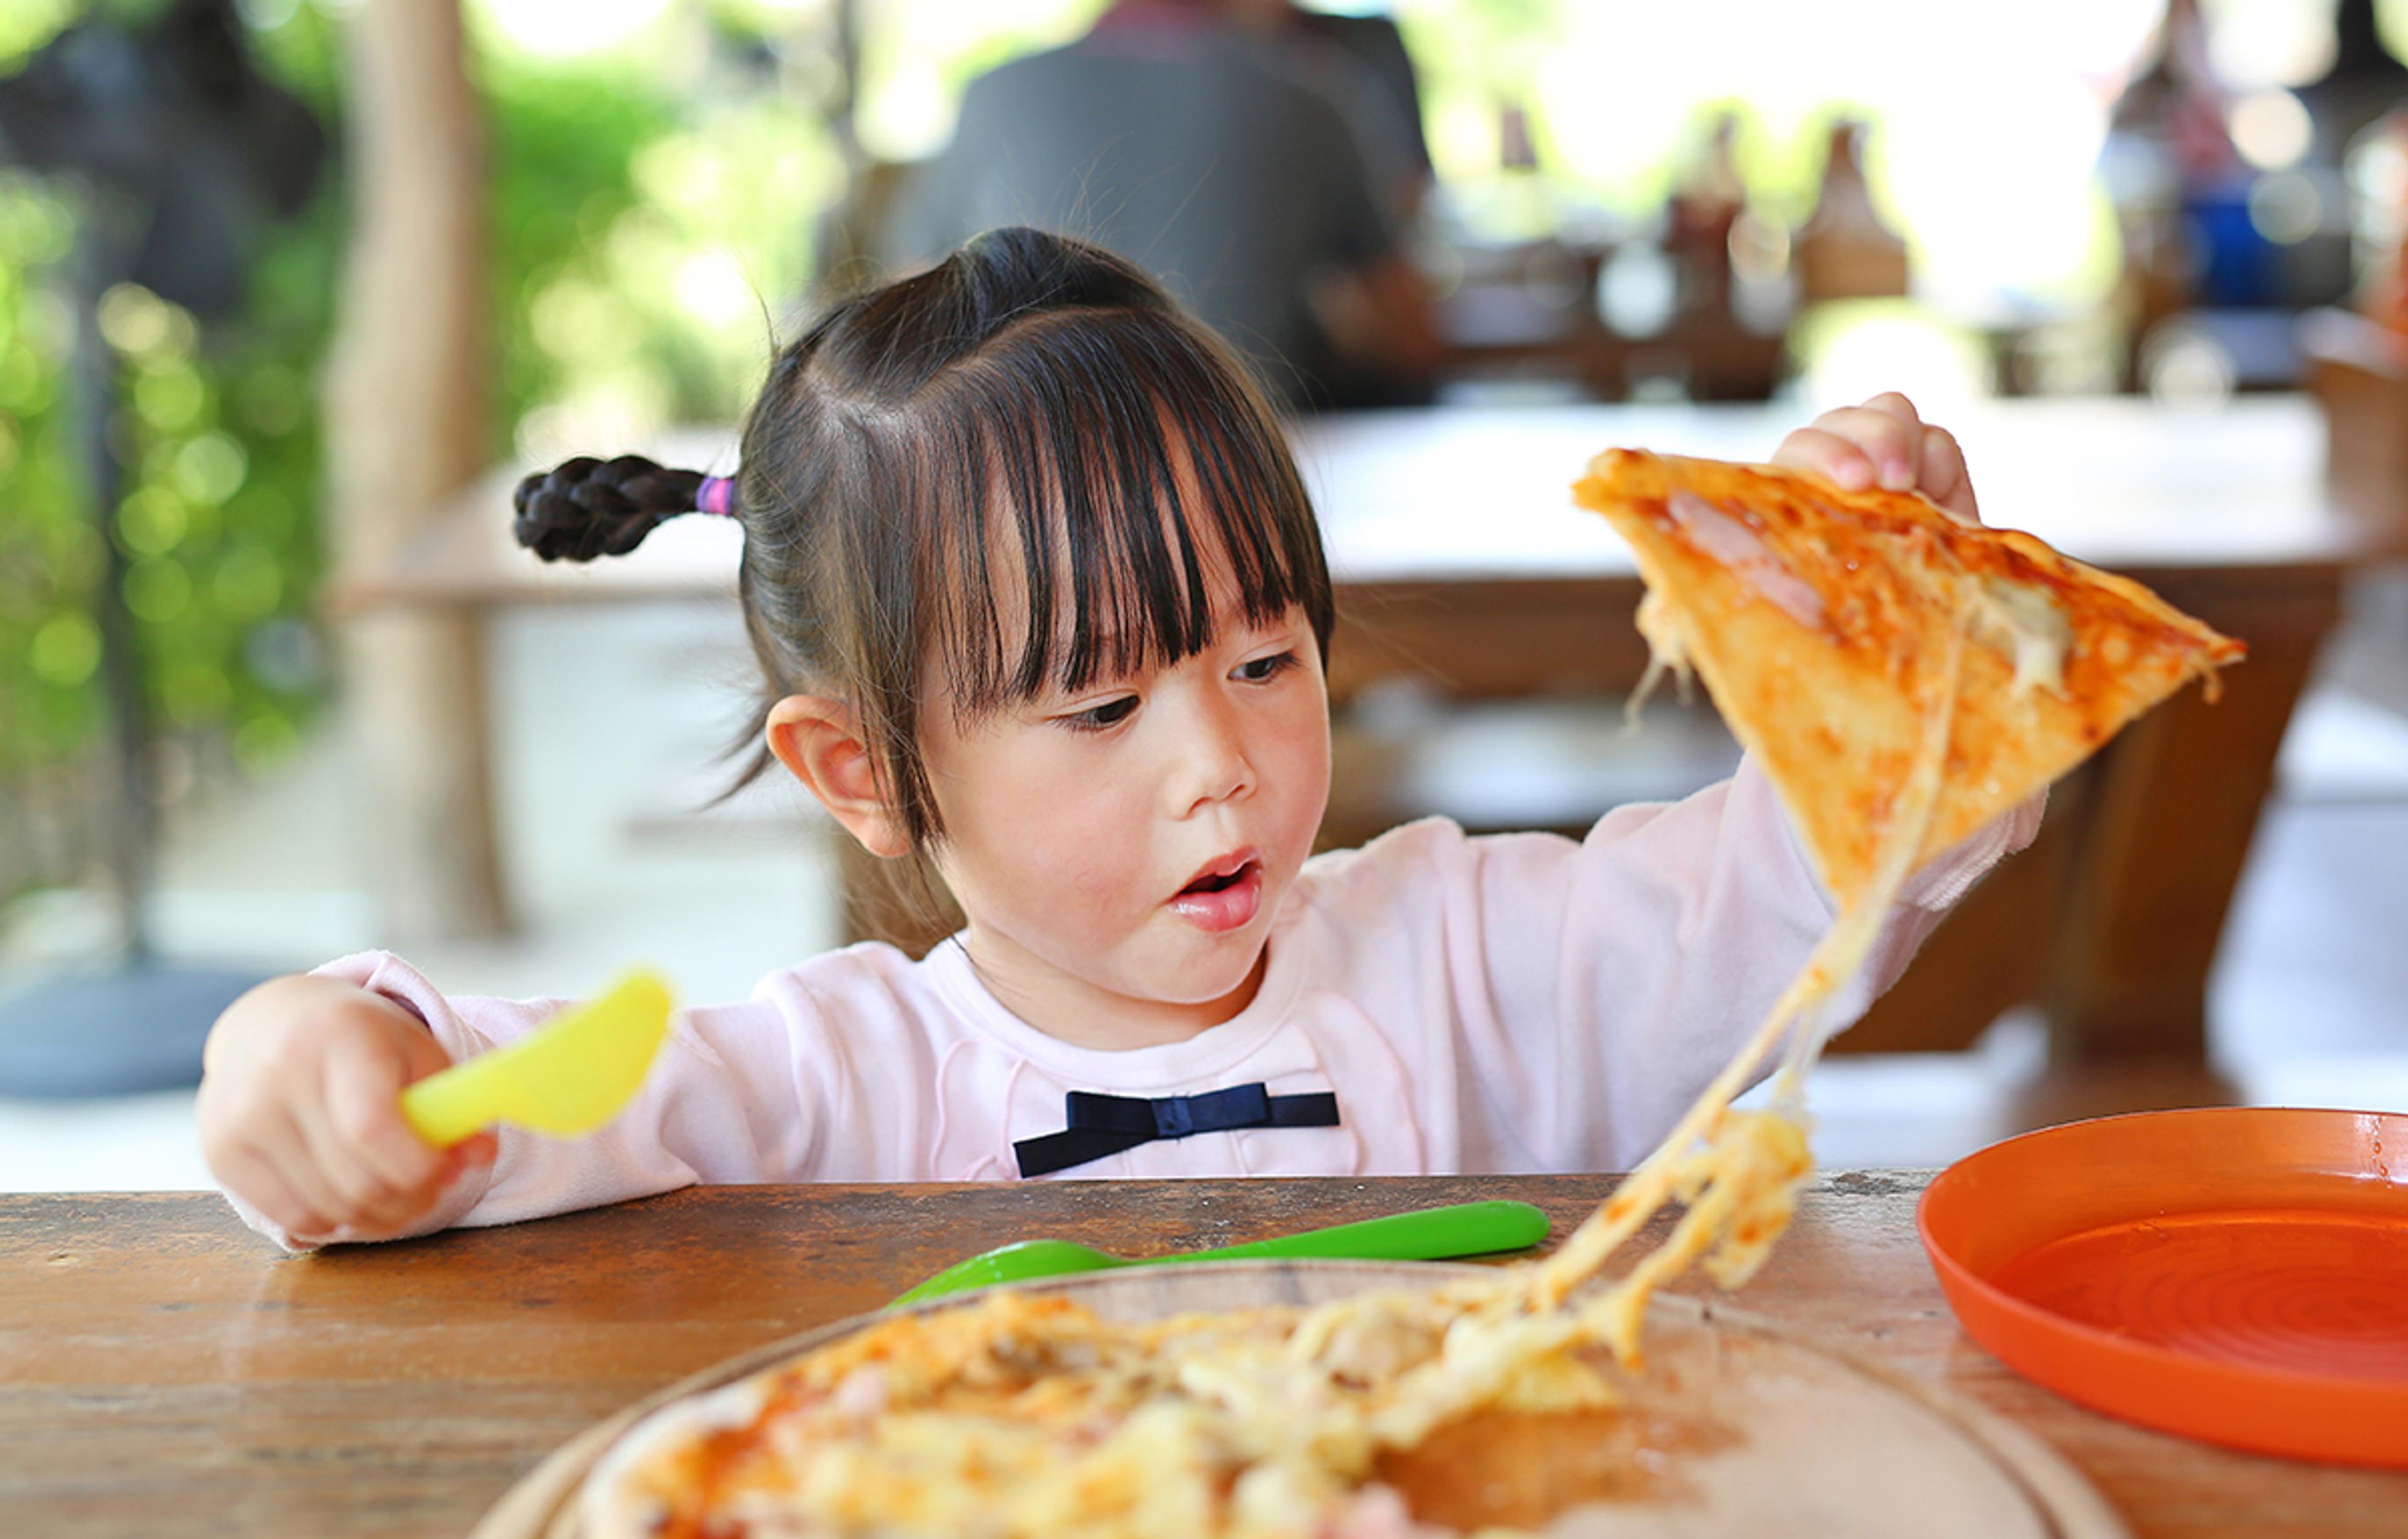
1232, 907
1223, 865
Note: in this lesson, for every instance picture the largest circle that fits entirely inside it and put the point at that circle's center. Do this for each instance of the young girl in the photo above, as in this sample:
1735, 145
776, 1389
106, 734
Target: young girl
1040, 602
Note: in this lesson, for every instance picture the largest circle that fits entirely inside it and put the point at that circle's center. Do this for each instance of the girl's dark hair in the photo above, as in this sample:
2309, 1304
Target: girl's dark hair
1014, 468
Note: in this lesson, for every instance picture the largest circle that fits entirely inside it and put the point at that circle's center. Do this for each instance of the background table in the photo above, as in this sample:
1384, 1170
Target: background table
164, 1372
1462, 567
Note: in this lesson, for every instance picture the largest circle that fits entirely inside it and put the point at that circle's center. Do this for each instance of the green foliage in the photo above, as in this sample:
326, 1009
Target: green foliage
218, 440
49, 646
553, 133
639, 225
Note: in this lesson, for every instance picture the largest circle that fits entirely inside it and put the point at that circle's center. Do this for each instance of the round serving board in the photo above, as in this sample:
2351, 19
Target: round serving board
1737, 1428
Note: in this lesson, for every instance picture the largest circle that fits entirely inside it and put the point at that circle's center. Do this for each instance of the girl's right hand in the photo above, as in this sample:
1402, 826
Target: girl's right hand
1885, 442
299, 1111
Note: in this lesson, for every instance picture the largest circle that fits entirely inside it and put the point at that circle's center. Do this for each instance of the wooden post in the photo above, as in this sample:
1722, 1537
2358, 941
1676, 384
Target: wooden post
406, 415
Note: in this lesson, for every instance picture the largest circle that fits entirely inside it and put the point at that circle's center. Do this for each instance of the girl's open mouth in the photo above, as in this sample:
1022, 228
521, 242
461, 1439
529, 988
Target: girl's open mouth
1221, 901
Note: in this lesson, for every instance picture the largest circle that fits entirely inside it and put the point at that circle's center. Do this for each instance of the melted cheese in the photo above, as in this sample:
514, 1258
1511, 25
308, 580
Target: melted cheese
2023, 622
1668, 655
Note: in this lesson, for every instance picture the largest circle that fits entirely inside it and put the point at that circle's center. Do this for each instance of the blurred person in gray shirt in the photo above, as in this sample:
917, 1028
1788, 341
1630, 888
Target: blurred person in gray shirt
1263, 173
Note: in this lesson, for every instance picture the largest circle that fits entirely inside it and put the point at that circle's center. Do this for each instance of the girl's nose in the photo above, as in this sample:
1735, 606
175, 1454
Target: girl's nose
1214, 765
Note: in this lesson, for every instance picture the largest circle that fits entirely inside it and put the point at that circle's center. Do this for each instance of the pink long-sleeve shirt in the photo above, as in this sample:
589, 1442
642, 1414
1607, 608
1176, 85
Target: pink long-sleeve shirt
1509, 1002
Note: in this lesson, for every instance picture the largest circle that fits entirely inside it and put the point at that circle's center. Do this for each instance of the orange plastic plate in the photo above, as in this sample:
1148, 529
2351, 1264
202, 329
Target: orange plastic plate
2237, 1275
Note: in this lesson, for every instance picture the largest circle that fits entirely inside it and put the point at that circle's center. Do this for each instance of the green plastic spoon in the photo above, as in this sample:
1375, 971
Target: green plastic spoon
1430, 1235
569, 1078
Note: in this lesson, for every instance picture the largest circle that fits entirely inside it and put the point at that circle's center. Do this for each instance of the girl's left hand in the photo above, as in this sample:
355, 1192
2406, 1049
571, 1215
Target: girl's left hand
1884, 443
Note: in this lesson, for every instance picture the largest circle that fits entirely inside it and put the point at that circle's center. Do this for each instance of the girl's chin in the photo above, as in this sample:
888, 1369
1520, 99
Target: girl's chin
1218, 979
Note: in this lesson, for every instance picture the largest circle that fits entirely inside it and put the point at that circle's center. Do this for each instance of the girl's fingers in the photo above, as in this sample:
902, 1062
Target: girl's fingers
296, 1164
474, 1151
253, 1174
1891, 403
1888, 433
1884, 443
1836, 459
363, 1110
1944, 480
366, 1199
357, 1163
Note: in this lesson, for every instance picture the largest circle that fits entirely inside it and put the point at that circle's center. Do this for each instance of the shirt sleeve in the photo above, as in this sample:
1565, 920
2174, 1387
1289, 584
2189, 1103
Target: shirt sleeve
1603, 983
720, 1104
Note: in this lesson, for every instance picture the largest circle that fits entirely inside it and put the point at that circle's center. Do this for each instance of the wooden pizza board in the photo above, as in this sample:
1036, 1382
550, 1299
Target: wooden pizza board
1737, 1428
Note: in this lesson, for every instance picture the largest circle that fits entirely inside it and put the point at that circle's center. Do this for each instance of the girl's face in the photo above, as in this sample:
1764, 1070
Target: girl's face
1118, 852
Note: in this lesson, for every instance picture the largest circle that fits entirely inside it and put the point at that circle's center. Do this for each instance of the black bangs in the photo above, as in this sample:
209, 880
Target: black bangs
1064, 543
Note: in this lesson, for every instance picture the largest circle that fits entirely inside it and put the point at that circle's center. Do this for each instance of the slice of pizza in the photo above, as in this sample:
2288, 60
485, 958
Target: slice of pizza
1820, 621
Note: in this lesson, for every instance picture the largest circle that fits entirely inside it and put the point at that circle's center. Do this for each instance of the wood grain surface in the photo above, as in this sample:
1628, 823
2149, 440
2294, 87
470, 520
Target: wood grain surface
163, 1372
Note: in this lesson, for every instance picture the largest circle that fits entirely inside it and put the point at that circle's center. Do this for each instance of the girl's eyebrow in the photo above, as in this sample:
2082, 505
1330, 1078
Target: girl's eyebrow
1105, 666
1110, 644
1122, 642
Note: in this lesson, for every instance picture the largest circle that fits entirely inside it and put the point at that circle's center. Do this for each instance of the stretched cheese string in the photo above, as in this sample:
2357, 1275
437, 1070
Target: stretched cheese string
1668, 655
1716, 1199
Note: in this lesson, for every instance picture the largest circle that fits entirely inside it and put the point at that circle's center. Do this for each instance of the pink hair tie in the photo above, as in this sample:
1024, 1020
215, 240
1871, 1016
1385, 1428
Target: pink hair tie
716, 494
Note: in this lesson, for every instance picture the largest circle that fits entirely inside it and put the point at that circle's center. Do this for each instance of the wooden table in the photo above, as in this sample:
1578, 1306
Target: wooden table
164, 1372
1461, 566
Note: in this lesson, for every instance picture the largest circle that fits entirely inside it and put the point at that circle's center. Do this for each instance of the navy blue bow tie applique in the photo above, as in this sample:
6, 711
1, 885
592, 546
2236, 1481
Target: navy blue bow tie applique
1106, 1125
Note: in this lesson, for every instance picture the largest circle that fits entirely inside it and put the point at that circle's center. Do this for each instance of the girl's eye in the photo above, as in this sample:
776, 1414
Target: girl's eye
1263, 669
1096, 718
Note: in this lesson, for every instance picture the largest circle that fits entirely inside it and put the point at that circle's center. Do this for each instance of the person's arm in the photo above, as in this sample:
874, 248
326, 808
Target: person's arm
1384, 314
1598, 985
300, 1122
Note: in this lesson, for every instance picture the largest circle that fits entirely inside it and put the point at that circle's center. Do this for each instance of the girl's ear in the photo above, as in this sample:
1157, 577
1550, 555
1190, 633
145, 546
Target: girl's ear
820, 742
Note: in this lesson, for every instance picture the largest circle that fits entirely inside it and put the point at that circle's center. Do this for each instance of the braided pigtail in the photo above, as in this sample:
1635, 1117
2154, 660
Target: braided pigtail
584, 508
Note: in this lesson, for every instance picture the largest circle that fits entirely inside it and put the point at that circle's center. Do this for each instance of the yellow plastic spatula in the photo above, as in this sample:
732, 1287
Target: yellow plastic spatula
569, 1078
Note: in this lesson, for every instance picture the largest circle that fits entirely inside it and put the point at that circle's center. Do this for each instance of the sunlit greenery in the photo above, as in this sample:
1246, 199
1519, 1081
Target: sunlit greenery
649, 224
219, 522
